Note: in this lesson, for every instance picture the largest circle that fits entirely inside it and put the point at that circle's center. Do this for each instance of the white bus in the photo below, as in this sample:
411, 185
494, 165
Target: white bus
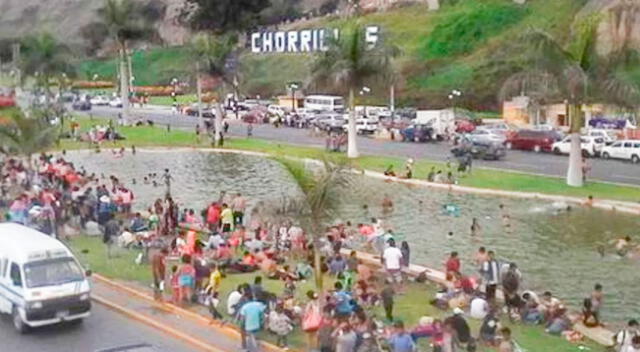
41, 282
324, 103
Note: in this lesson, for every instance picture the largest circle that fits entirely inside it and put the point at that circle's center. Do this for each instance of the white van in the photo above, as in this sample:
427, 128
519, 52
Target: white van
41, 282
324, 103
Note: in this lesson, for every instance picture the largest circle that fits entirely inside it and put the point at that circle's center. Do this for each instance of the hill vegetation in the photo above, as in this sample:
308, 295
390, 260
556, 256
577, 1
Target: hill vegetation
469, 45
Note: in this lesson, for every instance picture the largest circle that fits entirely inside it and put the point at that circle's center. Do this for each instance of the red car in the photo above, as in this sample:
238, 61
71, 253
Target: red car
531, 140
465, 126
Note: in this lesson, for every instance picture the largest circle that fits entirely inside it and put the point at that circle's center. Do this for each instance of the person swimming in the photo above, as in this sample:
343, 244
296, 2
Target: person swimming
622, 245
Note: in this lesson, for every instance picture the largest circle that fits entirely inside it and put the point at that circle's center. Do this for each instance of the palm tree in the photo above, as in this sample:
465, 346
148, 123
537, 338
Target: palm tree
321, 194
44, 58
350, 62
126, 22
25, 136
578, 75
211, 54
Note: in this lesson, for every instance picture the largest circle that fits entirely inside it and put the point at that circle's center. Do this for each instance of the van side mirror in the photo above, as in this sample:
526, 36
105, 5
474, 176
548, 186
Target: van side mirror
88, 273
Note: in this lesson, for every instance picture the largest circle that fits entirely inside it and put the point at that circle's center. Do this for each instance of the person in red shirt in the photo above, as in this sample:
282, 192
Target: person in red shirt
452, 265
213, 216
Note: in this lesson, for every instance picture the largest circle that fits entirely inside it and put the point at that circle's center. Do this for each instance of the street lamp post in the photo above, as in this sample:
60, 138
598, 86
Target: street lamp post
453, 96
363, 91
293, 87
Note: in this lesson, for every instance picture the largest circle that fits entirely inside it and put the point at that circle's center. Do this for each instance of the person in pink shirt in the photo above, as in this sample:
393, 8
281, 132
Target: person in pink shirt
213, 216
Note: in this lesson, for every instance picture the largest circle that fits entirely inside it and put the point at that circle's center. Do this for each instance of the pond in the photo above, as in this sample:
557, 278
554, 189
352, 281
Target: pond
555, 250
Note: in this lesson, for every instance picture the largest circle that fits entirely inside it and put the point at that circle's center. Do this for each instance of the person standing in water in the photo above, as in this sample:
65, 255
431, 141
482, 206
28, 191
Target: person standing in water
167, 182
475, 227
506, 219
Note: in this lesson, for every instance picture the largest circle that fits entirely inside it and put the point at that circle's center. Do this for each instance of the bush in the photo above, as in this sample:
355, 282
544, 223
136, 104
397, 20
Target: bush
462, 32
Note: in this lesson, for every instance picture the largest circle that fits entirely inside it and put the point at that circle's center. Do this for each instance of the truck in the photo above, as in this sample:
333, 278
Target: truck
442, 122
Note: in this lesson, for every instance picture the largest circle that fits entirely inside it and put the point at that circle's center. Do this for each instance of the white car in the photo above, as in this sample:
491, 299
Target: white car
625, 149
115, 103
99, 100
590, 146
609, 136
276, 110
499, 127
364, 126
486, 136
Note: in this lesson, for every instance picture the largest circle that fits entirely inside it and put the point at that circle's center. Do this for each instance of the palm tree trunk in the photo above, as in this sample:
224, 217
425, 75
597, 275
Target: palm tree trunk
199, 94
317, 268
574, 172
124, 83
218, 120
352, 147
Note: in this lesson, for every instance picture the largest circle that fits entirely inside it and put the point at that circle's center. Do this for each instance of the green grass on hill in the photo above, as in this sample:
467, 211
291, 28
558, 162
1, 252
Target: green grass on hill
408, 307
152, 67
460, 33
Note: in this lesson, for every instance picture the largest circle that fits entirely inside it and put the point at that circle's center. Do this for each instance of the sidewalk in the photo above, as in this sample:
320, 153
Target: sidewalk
200, 335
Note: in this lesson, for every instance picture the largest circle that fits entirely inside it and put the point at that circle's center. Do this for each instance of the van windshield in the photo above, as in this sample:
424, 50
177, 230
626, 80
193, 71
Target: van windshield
52, 272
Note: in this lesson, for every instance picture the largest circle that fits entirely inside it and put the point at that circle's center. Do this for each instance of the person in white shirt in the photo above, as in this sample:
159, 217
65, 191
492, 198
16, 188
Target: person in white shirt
232, 300
479, 308
392, 259
624, 337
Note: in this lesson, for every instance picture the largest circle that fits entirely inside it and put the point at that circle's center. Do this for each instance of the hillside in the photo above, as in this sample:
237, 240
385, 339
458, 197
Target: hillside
472, 46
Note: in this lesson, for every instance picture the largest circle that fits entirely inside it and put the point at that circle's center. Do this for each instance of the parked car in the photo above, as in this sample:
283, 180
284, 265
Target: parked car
625, 150
531, 140
330, 121
609, 136
115, 103
99, 100
590, 146
192, 110
465, 126
500, 127
486, 136
276, 110
417, 133
81, 105
484, 151
363, 126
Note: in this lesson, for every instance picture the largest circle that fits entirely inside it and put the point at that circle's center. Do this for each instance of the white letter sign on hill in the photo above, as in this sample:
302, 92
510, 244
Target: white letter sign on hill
304, 41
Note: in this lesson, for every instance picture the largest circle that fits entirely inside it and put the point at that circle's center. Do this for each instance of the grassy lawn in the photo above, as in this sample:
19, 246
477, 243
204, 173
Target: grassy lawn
409, 307
182, 99
481, 178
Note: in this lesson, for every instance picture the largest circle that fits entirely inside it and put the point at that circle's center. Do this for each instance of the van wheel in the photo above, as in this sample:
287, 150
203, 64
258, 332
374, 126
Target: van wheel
536, 148
18, 324
605, 155
635, 159
556, 151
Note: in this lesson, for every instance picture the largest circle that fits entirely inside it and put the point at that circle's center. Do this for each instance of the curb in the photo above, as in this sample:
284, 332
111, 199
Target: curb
164, 328
228, 331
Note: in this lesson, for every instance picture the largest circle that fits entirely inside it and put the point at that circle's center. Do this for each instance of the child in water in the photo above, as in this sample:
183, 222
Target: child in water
475, 227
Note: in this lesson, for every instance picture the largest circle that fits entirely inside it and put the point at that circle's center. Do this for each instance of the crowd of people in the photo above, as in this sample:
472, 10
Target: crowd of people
195, 251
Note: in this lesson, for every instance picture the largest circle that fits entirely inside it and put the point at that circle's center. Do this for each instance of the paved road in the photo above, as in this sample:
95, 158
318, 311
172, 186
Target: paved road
538, 163
104, 329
